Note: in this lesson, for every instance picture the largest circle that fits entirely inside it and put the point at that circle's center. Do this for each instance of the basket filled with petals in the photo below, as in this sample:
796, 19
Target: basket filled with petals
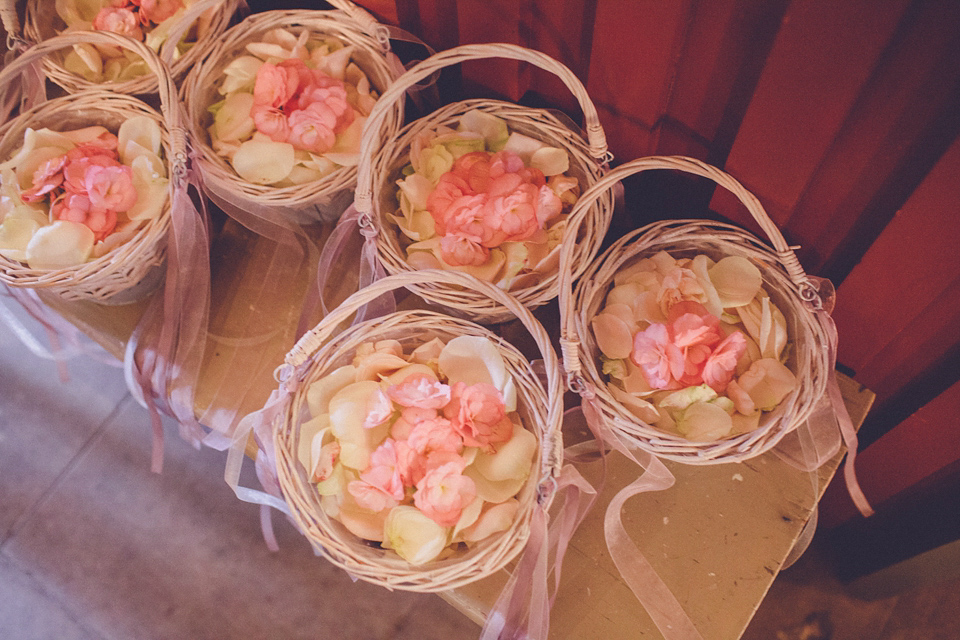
277, 108
695, 340
87, 181
180, 31
481, 186
414, 448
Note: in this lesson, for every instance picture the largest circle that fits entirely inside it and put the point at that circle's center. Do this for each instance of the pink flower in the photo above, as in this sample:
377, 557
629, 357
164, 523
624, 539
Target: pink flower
271, 122
76, 168
110, 188
275, 85
409, 417
380, 485
460, 250
719, 368
77, 208
449, 189
420, 391
411, 464
118, 20
157, 11
655, 354
443, 493
478, 414
46, 178
312, 129
514, 214
435, 435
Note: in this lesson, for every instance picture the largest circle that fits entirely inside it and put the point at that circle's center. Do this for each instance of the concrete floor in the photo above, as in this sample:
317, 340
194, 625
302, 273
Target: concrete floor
94, 546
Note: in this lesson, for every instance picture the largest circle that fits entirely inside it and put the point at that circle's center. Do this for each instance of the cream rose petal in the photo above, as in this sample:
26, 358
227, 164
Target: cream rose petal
415, 537
61, 244
613, 335
704, 422
263, 161
494, 519
736, 279
473, 359
512, 460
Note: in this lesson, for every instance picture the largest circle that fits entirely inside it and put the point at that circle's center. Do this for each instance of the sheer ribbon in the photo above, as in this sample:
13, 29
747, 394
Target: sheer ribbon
167, 345
523, 608
334, 252
66, 340
647, 586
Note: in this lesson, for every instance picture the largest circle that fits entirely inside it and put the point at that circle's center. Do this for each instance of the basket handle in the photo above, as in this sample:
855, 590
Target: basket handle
569, 342
11, 21
370, 143
169, 106
369, 24
183, 25
313, 339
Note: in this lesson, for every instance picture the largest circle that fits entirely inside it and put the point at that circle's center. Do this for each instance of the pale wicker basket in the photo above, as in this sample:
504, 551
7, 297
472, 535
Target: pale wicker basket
384, 151
42, 22
324, 199
538, 404
783, 278
134, 268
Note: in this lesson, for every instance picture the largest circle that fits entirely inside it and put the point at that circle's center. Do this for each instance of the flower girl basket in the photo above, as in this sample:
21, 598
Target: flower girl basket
132, 269
384, 149
539, 406
794, 293
316, 201
41, 22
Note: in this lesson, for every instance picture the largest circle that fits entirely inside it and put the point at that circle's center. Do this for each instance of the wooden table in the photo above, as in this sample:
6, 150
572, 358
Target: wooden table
718, 537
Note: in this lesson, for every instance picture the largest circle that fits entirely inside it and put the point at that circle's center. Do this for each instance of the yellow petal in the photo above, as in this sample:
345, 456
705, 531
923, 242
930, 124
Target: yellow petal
61, 244
512, 460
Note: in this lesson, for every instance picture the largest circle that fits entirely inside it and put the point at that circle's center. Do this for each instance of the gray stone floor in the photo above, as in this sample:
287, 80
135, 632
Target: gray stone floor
94, 546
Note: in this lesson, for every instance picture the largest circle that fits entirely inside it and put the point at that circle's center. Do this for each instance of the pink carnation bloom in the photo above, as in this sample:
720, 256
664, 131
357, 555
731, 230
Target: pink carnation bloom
275, 85
110, 188
411, 464
460, 250
157, 11
409, 417
514, 214
478, 414
443, 492
719, 368
312, 129
420, 391
76, 168
77, 208
437, 434
271, 122
118, 20
46, 178
380, 485
654, 353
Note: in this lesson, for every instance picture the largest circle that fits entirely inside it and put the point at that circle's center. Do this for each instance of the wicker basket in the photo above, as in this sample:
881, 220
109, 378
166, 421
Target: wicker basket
538, 404
783, 278
384, 150
41, 22
324, 199
134, 268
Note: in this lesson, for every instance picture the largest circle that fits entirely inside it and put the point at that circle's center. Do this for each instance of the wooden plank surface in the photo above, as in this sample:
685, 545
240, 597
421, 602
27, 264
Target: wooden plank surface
718, 538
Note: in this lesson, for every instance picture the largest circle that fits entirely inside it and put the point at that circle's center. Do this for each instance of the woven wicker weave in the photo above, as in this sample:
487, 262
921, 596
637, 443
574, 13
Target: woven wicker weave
783, 278
133, 268
538, 404
385, 150
42, 22
300, 203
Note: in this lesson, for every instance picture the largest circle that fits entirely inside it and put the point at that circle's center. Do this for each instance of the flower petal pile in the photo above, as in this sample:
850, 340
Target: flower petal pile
694, 346
149, 21
69, 196
484, 200
418, 452
293, 109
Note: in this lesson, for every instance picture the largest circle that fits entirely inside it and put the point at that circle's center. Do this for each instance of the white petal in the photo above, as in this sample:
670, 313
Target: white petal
473, 359
263, 161
61, 244
512, 460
